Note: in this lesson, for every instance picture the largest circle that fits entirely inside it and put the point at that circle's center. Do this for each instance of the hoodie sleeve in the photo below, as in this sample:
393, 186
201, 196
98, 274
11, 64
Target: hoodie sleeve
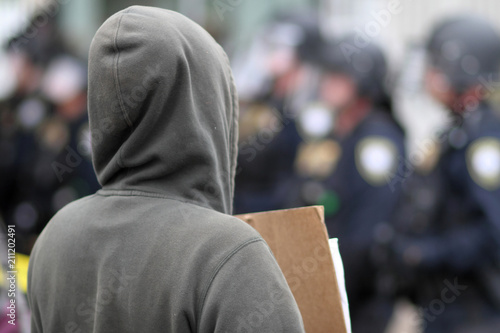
249, 293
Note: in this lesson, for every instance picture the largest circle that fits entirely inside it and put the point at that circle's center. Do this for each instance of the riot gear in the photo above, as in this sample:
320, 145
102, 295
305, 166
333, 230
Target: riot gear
454, 234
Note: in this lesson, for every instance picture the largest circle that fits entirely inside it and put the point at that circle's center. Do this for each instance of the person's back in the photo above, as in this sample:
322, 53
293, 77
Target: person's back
154, 250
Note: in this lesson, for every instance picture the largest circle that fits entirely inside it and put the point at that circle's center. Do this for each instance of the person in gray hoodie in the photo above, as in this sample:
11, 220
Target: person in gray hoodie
155, 250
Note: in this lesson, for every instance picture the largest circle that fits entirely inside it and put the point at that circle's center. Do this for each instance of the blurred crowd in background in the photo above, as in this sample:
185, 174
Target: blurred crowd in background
334, 111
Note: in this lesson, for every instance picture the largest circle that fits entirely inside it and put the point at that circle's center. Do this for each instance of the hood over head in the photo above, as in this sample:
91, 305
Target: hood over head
162, 108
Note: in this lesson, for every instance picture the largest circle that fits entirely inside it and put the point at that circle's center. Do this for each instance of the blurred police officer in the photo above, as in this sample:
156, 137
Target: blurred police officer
454, 244
359, 163
44, 136
270, 94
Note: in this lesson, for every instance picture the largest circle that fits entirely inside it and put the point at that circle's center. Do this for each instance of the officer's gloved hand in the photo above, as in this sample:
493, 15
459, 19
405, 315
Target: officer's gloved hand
413, 256
423, 253
392, 273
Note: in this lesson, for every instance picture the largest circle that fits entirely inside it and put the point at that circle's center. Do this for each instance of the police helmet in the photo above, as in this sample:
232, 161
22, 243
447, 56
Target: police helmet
465, 48
361, 60
299, 30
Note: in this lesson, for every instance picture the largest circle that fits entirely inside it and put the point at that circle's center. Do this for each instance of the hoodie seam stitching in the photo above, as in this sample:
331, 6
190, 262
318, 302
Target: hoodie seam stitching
217, 270
117, 74
136, 193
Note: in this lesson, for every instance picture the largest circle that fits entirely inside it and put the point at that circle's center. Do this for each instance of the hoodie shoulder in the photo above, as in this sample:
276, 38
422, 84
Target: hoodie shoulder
218, 224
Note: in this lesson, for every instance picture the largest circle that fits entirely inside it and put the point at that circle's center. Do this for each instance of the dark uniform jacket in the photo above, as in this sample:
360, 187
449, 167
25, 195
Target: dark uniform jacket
266, 164
366, 186
456, 240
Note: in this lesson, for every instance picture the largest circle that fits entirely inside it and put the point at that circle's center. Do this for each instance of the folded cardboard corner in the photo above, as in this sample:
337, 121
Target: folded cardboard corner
299, 241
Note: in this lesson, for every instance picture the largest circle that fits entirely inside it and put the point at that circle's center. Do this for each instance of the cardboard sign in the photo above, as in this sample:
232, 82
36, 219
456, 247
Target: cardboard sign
299, 241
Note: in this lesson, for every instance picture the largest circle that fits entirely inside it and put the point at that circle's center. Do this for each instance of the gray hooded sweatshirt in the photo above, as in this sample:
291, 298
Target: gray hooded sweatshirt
155, 250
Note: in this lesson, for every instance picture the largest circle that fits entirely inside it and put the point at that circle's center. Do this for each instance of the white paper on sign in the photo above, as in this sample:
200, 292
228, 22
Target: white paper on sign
339, 269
